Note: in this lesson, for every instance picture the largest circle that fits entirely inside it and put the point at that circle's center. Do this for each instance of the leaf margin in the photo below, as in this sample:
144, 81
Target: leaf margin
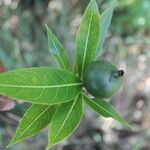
62, 55
50, 146
39, 68
92, 4
21, 122
105, 16
120, 118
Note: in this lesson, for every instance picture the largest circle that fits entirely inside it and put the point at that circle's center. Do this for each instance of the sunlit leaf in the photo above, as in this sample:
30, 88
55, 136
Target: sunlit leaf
34, 120
41, 85
87, 37
105, 109
57, 50
65, 121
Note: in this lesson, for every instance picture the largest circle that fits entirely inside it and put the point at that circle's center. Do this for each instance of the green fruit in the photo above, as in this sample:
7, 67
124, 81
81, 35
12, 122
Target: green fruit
102, 79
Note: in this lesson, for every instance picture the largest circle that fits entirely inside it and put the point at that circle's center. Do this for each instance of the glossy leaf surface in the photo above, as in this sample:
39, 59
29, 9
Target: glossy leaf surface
40, 85
34, 120
65, 121
87, 37
57, 50
105, 109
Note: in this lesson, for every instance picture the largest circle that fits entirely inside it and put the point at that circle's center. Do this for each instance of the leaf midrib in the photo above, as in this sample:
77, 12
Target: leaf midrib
65, 120
84, 56
36, 86
118, 117
32, 123
58, 55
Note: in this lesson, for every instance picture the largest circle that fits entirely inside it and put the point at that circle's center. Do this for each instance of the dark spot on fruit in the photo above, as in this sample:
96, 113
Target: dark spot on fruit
120, 73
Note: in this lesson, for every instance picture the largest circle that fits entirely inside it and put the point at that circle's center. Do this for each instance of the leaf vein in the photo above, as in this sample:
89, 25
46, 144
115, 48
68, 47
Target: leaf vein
33, 122
58, 55
88, 33
65, 119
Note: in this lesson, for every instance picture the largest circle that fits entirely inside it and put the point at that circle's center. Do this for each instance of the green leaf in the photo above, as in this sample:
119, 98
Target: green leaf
57, 50
87, 37
35, 119
105, 20
41, 85
65, 121
105, 109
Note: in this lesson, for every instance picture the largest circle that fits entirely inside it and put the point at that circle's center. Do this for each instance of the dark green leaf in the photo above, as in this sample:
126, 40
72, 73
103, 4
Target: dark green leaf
105, 20
34, 120
105, 109
65, 121
87, 37
57, 50
40, 85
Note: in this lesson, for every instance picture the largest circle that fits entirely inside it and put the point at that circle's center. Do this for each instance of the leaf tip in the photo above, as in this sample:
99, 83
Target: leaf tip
50, 145
47, 28
128, 125
9, 144
113, 4
93, 3
13, 141
46, 25
47, 148
131, 127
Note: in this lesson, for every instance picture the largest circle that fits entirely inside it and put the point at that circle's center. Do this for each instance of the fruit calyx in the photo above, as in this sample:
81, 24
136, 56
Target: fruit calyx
118, 74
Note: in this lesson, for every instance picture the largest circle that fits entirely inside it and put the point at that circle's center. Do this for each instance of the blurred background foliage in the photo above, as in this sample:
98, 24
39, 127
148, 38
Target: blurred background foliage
23, 43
